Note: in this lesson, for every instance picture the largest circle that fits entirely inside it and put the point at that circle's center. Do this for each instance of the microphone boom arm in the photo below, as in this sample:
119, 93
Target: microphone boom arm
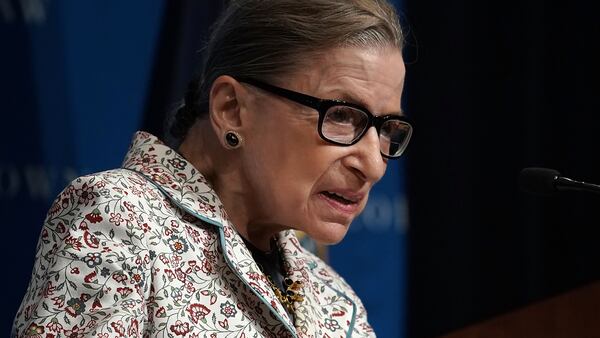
563, 183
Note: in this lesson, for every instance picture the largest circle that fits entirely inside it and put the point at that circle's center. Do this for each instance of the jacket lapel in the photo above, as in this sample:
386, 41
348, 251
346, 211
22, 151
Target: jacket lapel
295, 266
325, 307
175, 177
188, 189
240, 260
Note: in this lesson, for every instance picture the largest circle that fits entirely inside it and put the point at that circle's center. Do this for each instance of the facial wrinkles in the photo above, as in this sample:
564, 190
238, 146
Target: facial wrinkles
363, 77
330, 177
284, 113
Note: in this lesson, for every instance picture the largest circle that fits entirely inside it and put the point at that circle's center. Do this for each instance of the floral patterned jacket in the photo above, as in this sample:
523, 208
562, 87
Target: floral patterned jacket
147, 250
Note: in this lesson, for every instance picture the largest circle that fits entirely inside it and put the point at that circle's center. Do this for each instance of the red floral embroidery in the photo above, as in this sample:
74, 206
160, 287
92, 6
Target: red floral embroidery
197, 312
54, 325
59, 301
129, 206
74, 332
55, 208
147, 159
119, 328
161, 312
85, 194
94, 216
116, 218
224, 324
96, 304
74, 243
133, 329
180, 328
90, 278
90, 240
49, 289
145, 227
60, 228
124, 292
119, 277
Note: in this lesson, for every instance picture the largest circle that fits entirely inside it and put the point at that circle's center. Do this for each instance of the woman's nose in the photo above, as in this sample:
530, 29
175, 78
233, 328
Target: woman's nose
366, 158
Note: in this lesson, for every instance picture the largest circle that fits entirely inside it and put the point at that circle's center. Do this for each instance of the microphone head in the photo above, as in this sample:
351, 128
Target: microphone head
539, 181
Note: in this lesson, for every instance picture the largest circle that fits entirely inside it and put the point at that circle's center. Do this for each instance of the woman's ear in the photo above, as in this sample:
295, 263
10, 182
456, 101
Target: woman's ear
226, 105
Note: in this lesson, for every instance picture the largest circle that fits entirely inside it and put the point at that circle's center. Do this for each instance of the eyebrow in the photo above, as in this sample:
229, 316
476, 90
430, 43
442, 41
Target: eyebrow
344, 96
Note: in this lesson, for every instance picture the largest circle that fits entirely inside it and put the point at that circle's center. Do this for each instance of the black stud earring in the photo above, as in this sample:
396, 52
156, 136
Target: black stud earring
233, 139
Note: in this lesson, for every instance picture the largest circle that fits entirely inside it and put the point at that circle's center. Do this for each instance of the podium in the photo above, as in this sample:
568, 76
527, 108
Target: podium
574, 314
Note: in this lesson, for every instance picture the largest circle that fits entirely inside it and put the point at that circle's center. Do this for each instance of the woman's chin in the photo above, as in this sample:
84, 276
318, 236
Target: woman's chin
328, 233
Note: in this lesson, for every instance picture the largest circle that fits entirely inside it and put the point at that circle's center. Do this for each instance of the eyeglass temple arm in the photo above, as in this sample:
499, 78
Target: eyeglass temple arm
304, 99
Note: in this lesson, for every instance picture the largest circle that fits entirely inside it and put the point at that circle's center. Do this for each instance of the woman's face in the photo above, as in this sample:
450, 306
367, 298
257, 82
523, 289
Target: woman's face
293, 178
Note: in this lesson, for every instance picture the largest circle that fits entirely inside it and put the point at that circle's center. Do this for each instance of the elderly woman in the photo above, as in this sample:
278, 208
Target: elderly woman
289, 124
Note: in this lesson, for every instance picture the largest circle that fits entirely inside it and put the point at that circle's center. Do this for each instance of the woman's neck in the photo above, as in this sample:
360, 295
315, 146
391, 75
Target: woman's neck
222, 170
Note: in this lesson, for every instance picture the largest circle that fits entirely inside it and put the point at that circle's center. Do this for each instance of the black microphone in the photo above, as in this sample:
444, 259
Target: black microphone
544, 181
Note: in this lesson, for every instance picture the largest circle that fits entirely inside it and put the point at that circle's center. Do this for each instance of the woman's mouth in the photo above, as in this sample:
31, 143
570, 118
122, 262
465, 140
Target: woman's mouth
347, 203
338, 197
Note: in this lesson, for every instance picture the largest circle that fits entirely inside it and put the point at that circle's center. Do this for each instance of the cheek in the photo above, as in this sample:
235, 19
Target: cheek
284, 185
284, 159
284, 149
291, 179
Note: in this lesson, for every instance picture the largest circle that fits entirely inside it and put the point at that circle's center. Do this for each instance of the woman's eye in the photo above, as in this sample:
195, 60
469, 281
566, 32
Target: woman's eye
342, 116
339, 116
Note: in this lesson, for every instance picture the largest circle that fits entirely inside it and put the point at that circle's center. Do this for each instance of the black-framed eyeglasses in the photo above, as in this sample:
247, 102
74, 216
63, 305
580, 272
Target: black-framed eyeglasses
343, 123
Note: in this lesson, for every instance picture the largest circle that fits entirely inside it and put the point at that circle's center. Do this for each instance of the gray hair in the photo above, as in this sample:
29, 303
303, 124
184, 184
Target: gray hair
265, 39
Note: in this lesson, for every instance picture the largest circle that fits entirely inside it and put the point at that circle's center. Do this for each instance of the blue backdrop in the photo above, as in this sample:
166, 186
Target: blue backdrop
74, 82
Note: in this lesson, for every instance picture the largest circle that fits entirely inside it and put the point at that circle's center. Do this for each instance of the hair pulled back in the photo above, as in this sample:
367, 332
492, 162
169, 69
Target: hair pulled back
264, 39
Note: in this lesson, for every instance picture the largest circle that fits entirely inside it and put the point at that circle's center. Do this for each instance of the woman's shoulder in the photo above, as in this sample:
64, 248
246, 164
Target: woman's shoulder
113, 178
106, 200
114, 184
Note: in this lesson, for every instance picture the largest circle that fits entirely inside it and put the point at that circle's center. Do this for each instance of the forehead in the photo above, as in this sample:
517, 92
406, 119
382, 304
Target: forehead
373, 78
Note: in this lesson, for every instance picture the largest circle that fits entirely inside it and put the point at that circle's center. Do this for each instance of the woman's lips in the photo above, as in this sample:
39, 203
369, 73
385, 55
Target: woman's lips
345, 202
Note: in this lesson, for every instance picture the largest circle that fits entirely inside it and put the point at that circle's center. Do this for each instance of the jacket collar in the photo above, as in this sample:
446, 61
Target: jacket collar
188, 189
175, 177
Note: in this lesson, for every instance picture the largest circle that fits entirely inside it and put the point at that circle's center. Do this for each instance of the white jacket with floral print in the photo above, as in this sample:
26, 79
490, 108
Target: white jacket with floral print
147, 250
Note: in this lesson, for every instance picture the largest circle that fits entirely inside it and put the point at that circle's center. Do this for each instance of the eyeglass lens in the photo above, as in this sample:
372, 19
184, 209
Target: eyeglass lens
393, 137
343, 124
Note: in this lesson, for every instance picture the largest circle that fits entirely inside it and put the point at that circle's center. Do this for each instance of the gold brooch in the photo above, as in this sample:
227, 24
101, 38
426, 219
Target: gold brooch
293, 292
